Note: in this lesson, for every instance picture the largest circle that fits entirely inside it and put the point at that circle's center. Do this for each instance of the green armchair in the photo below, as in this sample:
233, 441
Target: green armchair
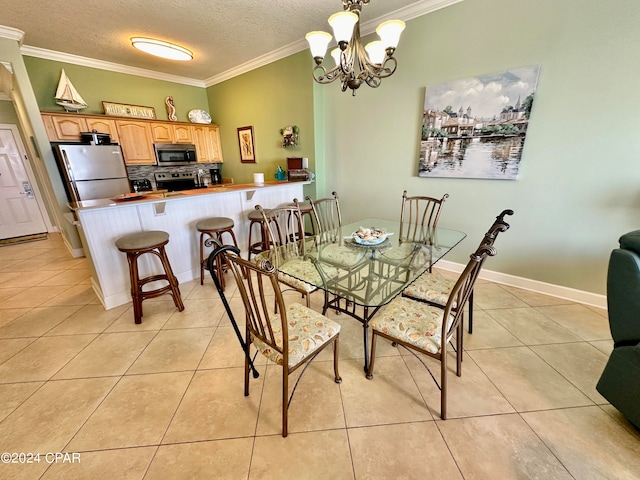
620, 380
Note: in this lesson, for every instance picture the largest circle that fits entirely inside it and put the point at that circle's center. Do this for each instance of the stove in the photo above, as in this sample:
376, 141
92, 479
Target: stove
175, 181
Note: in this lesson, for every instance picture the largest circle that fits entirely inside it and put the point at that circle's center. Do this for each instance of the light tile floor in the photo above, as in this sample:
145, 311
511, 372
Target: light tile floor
164, 399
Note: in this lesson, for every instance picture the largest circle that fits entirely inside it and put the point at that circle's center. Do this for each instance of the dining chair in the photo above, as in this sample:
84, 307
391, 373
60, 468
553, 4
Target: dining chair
292, 338
419, 217
428, 329
434, 288
283, 226
327, 217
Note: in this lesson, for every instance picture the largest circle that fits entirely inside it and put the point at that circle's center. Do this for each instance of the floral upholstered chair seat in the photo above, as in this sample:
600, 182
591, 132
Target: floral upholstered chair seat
308, 331
340, 255
293, 270
430, 287
412, 322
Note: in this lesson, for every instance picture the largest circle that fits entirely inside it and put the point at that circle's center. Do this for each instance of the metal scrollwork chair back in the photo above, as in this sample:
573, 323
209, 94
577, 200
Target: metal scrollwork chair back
434, 288
419, 218
327, 216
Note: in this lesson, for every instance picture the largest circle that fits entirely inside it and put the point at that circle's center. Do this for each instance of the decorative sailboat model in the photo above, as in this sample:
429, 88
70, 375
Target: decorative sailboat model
67, 96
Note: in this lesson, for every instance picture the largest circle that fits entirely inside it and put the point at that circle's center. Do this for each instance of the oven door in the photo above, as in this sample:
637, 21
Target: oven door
170, 155
176, 185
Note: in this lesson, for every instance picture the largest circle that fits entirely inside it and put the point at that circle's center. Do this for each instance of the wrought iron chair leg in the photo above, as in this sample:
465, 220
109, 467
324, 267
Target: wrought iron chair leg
335, 359
373, 355
471, 312
285, 401
443, 385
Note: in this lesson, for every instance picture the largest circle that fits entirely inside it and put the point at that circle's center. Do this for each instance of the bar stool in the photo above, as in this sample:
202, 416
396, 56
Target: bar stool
305, 209
261, 245
214, 227
138, 244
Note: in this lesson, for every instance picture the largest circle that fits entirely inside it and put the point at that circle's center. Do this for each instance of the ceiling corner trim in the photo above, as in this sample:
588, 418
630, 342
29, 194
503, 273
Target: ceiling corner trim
102, 65
258, 62
12, 34
408, 13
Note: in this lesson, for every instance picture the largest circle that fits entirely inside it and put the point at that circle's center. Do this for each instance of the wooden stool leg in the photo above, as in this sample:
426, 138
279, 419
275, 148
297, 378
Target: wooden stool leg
219, 263
201, 258
173, 281
233, 236
132, 257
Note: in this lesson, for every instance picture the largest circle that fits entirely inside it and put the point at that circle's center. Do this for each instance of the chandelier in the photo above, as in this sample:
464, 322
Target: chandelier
355, 64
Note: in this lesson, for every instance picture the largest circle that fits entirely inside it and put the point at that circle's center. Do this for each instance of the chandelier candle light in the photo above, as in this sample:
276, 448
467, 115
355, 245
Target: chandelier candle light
355, 64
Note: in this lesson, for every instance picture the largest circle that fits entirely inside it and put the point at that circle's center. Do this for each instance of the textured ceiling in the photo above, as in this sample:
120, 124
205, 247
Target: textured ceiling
223, 34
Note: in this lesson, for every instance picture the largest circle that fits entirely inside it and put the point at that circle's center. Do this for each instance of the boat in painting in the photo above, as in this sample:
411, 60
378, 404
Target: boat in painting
67, 96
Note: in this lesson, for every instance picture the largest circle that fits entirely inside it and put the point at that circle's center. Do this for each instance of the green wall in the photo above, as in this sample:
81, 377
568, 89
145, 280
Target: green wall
97, 85
578, 186
268, 98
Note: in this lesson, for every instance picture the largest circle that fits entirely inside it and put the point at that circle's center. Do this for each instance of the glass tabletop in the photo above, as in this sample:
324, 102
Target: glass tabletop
365, 274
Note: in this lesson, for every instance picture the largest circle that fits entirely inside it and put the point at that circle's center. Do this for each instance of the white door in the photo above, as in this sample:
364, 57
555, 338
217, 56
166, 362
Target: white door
19, 211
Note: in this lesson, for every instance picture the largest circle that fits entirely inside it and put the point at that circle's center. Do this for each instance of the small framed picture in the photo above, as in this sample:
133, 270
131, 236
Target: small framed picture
247, 148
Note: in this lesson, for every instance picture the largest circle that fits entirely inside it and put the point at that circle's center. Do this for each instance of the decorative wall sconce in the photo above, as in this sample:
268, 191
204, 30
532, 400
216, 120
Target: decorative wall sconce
289, 136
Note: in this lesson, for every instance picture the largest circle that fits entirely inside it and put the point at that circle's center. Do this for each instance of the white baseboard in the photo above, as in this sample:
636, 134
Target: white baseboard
75, 252
558, 291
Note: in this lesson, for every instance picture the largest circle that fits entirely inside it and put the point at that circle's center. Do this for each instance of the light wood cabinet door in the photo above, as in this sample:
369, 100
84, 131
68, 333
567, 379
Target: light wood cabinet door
103, 126
207, 141
162, 132
64, 128
182, 134
137, 142
171, 133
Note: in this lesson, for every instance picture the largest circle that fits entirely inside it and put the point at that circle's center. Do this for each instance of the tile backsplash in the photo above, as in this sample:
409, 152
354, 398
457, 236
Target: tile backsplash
140, 172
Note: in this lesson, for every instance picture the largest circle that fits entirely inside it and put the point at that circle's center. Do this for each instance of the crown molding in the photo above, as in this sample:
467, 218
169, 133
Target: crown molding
12, 34
102, 65
258, 62
405, 14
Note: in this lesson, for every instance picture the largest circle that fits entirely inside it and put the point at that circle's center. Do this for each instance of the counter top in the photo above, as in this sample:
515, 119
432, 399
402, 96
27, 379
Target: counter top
162, 196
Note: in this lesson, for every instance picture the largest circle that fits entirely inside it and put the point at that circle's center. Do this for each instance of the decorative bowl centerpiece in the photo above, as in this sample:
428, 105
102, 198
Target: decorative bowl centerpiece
369, 236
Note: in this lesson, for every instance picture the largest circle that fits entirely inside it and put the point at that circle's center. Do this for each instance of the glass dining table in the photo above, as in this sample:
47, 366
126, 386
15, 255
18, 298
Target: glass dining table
359, 278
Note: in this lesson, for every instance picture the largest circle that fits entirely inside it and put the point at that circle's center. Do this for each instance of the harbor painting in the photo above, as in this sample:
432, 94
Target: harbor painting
476, 127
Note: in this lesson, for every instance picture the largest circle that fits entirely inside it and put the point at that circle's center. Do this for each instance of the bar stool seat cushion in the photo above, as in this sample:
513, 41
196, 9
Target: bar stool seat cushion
142, 240
303, 206
255, 215
214, 223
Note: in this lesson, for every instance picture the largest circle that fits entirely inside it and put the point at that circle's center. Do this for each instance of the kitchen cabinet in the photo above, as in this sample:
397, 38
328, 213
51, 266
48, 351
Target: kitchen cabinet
136, 141
64, 128
207, 141
136, 135
171, 133
182, 134
102, 125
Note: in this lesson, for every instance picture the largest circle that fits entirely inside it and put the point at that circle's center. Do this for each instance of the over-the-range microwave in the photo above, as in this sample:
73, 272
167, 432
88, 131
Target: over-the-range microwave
170, 154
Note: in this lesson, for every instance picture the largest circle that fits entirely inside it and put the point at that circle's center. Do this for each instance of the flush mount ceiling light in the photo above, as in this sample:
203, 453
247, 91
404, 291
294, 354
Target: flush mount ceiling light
355, 64
161, 49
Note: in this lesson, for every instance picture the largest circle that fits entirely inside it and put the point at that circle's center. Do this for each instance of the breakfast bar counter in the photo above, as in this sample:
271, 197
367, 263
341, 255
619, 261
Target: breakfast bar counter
102, 222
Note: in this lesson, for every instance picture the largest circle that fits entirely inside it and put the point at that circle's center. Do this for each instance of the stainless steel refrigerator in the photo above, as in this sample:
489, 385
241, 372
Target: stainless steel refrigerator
92, 171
